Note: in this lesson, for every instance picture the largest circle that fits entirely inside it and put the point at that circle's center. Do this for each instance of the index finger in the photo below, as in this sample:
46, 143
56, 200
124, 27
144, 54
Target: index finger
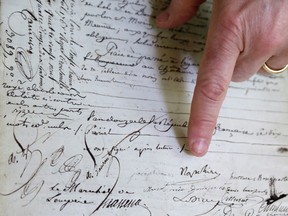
215, 73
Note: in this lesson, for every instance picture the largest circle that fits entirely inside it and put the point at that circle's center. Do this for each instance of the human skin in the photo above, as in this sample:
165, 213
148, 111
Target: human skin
242, 36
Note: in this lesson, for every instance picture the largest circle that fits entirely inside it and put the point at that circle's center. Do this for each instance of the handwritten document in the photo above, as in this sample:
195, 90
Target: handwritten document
94, 107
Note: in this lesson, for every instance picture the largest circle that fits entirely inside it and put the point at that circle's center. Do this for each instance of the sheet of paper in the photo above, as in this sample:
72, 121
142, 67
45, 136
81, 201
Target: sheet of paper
94, 108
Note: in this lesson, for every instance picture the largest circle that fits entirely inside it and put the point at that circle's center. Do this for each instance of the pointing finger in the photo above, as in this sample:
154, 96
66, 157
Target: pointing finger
216, 69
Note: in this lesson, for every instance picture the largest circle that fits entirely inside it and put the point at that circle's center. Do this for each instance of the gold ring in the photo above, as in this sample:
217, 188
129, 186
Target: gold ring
273, 71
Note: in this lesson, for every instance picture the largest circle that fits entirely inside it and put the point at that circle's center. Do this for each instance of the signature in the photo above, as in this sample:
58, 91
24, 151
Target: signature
33, 163
110, 159
23, 55
273, 195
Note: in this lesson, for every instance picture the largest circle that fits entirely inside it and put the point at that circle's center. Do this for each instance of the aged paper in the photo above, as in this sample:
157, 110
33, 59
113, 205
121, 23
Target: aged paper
94, 108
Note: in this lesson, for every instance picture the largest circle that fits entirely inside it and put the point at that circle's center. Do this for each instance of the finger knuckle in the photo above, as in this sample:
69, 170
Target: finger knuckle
231, 28
213, 90
209, 121
231, 21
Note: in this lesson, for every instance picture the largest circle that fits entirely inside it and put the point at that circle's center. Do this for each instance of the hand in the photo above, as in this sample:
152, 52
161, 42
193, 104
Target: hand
242, 36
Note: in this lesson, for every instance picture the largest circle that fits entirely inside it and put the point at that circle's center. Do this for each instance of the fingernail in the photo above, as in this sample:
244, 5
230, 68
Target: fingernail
163, 17
198, 147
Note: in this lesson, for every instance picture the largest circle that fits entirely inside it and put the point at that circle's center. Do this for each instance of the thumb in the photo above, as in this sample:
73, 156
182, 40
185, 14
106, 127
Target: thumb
178, 12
